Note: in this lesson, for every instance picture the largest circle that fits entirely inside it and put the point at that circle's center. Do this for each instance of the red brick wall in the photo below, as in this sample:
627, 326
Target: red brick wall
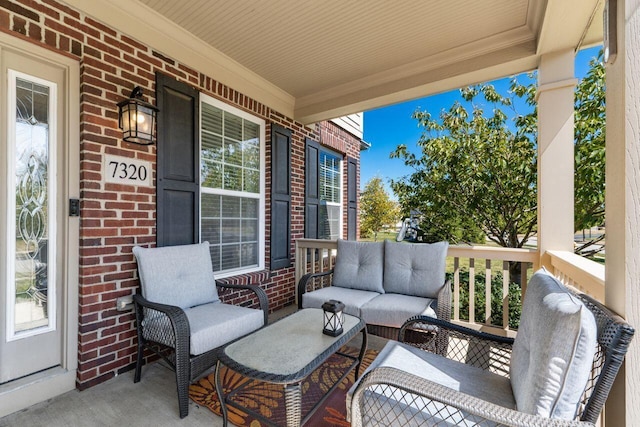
114, 218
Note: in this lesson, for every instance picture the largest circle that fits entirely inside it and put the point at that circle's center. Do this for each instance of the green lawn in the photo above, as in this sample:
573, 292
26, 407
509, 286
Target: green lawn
382, 236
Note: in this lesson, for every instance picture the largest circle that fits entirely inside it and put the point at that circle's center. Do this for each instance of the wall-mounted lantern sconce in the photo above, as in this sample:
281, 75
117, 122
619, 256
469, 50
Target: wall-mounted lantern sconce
137, 118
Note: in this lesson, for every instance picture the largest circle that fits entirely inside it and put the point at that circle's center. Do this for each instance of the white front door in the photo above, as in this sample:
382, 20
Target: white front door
38, 254
30, 285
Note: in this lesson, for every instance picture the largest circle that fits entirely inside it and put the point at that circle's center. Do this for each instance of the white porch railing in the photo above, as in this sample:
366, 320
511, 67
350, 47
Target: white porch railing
583, 274
466, 256
308, 250
314, 256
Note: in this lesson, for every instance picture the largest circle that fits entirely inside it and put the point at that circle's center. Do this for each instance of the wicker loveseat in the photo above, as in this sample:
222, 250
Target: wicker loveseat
384, 283
180, 317
557, 372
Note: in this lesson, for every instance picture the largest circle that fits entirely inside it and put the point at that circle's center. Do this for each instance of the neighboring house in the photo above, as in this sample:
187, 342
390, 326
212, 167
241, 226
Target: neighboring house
226, 169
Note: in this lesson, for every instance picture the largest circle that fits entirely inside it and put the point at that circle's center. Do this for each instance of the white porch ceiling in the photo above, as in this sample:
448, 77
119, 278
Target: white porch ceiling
327, 58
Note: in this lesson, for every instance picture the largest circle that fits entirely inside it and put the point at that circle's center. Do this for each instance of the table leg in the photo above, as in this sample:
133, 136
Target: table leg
293, 404
363, 348
219, 391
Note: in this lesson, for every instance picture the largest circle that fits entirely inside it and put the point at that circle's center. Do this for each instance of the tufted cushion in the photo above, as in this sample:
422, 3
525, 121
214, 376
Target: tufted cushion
359, 265
553, 351
177, 275
416, 269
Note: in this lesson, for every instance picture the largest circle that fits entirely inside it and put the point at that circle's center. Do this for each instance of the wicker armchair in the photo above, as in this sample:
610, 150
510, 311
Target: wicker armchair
389, 395
179, 316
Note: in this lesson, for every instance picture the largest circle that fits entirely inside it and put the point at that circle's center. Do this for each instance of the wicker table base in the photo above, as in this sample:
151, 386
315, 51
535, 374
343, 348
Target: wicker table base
286, 352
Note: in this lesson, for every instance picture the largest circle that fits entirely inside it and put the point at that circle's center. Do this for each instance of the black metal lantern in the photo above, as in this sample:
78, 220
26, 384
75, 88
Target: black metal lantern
137, 118
333, 318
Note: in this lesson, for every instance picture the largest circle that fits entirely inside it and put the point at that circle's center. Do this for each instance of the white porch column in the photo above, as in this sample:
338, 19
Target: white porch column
622, 215
556, 84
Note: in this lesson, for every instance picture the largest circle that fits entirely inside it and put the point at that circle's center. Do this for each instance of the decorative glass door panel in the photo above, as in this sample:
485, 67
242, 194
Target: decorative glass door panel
33, 309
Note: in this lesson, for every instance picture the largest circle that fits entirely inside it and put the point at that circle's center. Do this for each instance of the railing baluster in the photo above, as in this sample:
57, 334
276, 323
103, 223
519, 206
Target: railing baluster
505, 294
456, 288
472, 290
524, 270
487, 291
313, 262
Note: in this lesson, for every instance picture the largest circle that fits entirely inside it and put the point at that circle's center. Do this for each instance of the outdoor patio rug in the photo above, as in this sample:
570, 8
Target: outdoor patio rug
268, 399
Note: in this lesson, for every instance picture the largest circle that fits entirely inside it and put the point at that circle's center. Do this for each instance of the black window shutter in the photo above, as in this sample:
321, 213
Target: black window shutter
312, 190
280, 197
352, 198
178, 174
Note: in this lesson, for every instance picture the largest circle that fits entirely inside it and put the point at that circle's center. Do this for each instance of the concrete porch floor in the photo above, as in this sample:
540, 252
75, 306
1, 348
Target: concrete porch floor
152, 402
117, 402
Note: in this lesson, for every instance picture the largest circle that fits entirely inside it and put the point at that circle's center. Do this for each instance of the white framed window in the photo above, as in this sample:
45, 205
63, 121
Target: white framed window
232, 187
330, 186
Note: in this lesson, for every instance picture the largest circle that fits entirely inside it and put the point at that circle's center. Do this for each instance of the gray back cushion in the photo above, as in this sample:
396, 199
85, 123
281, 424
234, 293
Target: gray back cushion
416, 269
359, 265
553, 350
177, 275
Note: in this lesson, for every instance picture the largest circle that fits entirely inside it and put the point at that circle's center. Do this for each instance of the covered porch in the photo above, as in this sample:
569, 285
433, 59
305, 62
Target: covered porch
306, 63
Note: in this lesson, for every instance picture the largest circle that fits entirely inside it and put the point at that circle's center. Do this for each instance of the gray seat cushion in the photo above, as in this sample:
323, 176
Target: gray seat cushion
414, 268
215, 324
396, 410
353, 299
553, 351
359, 265
177, 275
394, 309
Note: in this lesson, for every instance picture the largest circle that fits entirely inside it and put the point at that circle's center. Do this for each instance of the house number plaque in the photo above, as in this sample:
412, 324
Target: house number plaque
122, 170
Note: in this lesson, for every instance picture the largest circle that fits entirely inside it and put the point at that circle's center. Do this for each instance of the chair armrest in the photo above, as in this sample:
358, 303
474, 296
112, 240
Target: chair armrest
431, 400
305, 280
456, 342
444, 302
416, 321
153, 330
263, 300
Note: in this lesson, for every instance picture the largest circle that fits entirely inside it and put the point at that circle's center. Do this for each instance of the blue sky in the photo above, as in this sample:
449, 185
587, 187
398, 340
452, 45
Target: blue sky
386, 128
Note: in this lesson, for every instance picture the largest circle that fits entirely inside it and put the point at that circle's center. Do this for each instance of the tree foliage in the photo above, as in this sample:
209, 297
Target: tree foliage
590, 146
474, 170
477, 168
376, 208
589, 142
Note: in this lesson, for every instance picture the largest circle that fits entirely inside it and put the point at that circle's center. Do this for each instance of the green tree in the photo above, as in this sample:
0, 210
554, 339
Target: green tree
376, 208
479, 174
474, 170
589, 147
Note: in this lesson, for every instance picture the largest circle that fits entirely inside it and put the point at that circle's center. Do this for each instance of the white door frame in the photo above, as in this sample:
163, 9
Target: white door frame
29, 390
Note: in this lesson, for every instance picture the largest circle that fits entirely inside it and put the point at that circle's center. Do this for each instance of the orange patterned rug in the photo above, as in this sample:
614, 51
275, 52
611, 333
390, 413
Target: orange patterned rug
268, 399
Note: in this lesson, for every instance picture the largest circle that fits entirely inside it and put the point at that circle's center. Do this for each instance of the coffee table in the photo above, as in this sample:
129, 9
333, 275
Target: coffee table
286, 352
